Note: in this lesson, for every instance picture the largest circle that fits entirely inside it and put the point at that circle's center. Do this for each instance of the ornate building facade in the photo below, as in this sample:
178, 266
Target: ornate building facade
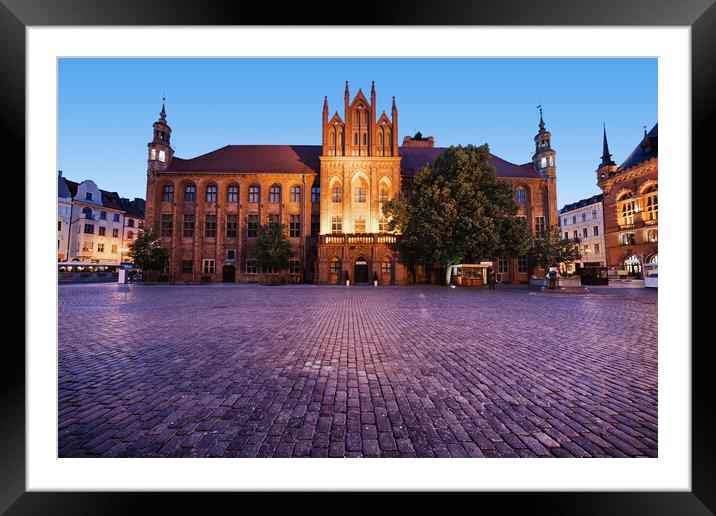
631, 206
207, 209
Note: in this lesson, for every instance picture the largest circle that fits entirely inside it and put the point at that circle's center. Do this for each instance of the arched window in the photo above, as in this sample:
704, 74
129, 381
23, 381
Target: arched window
365, 138
632, 265
337, 193
652, 235
625, 209
355, 138
360, 190
381, 138
168, 193
211, 192
275, 194
651, 203
383, 193
130, 235
254, 193
521, 196
295, 193
190, 193
233, 194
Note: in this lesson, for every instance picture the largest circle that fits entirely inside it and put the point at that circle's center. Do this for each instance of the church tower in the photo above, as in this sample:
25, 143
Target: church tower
160, 150
544, 155
607, 166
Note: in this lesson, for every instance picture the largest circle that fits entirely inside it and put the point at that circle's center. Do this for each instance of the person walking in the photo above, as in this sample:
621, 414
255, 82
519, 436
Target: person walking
491, 279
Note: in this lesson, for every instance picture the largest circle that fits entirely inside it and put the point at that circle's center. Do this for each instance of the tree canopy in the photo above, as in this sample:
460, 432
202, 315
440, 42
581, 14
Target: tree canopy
273, 249
147, 252
459, 211
551, 249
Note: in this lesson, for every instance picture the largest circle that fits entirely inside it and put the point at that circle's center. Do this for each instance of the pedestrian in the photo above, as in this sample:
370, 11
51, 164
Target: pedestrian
552, 278
491, 279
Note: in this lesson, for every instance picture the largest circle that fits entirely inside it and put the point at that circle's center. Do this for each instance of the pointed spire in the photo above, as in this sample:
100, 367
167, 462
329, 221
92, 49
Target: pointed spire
325, 103
346, 88
606, 157
541, 120
372, 87
163, 113
393, 101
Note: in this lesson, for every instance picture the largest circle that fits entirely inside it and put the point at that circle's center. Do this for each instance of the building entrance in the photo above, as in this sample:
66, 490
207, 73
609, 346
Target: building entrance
229, 274
360, 271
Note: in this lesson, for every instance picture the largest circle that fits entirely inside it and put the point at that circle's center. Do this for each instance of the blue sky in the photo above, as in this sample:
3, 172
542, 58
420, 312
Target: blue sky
107, 107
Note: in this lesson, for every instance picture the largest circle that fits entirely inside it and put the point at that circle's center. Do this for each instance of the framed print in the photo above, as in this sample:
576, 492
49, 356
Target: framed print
271, 276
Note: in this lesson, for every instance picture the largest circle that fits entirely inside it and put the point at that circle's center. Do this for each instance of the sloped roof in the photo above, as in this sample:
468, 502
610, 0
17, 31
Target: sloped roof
582, 203
257, 159
111, 200
254, 159
134, 208
415, 158
63, 189
647, 148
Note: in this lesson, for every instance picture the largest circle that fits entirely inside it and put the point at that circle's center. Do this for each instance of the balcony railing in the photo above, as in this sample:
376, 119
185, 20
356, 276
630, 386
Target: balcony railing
367, 238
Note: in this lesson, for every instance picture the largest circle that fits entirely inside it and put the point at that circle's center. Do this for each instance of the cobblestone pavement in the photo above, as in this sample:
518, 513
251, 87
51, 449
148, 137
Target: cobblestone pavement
309, 371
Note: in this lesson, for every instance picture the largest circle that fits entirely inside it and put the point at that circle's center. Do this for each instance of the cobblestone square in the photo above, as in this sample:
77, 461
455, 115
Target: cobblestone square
312, 371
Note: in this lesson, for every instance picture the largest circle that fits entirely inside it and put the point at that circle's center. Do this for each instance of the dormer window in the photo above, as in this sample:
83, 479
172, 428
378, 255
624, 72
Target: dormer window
88, 196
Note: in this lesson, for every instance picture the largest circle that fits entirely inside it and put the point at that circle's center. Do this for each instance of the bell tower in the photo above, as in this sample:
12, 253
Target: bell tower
160, 150
544, 155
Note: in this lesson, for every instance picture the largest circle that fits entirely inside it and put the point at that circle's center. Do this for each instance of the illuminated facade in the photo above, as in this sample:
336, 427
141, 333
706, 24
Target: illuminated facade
631, 207
94, 225
207, 209
582, 222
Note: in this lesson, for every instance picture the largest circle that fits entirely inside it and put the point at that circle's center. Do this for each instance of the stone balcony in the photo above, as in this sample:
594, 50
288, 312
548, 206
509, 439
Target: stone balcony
358, 238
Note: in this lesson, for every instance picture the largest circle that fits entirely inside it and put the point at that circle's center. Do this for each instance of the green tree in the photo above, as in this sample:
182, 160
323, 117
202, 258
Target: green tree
459, 211
273, 249
551, 249
147, 252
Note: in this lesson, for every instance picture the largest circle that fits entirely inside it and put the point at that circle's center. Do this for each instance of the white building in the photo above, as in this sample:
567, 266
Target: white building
94, 225
582, 222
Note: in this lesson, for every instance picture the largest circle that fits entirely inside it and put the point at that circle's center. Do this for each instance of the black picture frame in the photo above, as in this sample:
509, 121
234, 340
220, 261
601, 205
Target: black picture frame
700, 15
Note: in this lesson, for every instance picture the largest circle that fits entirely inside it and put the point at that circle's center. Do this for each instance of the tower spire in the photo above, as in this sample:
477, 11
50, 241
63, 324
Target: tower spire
606, 157
163, 113
541, 120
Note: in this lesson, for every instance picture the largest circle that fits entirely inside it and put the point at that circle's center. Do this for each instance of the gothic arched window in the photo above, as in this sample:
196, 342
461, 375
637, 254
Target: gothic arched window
233, 194
211, 192
190, 193
168, 193
275, 194
295, 193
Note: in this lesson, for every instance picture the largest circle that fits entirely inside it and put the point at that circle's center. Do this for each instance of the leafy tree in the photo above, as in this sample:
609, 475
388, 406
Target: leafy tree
551, 249
458, 211
147, 252
273, 249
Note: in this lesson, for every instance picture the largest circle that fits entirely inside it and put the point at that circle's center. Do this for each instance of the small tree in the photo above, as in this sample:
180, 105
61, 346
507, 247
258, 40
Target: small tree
273, 249
147, 252
551, 249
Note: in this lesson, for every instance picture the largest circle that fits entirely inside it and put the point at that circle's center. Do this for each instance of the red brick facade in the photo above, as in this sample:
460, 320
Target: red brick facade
330, 197
631, 207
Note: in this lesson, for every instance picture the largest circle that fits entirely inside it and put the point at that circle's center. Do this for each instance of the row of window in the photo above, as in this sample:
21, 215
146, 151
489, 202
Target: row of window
584, 218
628, 205
102, 231
629, 238
208, 266
166, 225
232, 194
89, 246
358, 224
585, 233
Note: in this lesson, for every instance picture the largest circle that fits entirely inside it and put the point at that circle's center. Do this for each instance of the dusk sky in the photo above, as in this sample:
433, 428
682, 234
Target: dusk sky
107, 107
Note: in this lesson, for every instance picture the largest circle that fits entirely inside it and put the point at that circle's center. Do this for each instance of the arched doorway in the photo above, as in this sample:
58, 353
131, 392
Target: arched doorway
632, 266
229, 274
360, 271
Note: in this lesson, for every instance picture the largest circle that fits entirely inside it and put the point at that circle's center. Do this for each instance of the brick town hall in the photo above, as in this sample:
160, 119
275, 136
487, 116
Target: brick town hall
207, 210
